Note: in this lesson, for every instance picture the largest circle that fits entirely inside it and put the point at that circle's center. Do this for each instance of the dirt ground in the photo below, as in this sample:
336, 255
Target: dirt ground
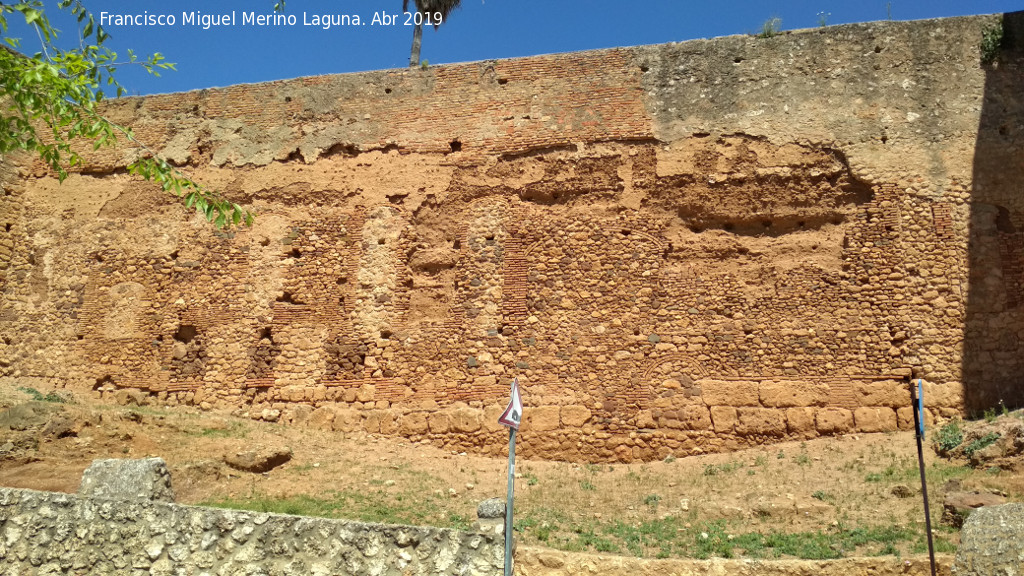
829, 497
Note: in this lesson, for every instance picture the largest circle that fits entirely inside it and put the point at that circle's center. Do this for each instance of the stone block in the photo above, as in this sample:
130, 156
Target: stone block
465, 419
146, 479
834, 421
575, 416
760, 422
541, 418
366, 393
891, 393
695, 417
905, 418
800, 421
724, 419
645, 419
490, 419
491, 508
347, 420
439, 423
259, 459
786, 394
990, 542
485, 381
947, 395
874, 419
413, 423
388, 422
958, 506
322, 418
729, 392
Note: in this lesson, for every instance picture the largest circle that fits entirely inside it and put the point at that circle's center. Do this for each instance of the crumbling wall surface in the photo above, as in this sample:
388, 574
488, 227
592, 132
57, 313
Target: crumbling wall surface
52, 533
678, 248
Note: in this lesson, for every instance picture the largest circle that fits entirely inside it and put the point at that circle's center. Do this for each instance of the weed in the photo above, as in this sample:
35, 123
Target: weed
802, 459
522, 524
368, 506
990, 415
940, 472
781, 455
761, 460
716, 469
771, 27
823, 19
978, 444
991, 42
670, 459
40, 397
233, 430
949, 436
544, 533
821, 495
586, 539
587, 485
652, 500
713, 541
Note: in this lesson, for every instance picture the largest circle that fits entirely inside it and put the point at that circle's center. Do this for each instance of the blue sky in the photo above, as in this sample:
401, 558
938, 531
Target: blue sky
478, 30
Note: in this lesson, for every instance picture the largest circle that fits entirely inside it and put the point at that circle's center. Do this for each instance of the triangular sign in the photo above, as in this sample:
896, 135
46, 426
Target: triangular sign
513, 415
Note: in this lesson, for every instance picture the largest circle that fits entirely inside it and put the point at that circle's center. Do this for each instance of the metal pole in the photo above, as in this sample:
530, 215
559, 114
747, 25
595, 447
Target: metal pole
508, 500
918, 401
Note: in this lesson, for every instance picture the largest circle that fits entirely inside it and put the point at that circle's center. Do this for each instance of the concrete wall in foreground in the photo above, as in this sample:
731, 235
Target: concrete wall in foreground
679, 248
52, 533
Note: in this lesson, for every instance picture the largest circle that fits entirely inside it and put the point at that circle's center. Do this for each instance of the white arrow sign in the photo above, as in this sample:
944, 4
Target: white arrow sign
513, 415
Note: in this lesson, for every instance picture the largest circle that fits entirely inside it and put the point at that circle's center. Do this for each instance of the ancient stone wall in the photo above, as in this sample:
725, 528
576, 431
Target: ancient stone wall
678, 248
53, 533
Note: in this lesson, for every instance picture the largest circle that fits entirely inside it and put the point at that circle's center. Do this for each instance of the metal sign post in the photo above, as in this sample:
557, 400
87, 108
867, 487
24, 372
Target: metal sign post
512, 416
918, 402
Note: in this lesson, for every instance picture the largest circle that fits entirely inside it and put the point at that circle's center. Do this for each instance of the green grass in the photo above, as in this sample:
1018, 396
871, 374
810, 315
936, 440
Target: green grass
40, 397
670, 537
949, 436
232, 430
772, 27
979, 443
725, 468
907, 471
367, 506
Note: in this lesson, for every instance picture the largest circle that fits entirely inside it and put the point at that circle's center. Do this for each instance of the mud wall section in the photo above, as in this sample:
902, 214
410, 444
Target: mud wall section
678, 248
